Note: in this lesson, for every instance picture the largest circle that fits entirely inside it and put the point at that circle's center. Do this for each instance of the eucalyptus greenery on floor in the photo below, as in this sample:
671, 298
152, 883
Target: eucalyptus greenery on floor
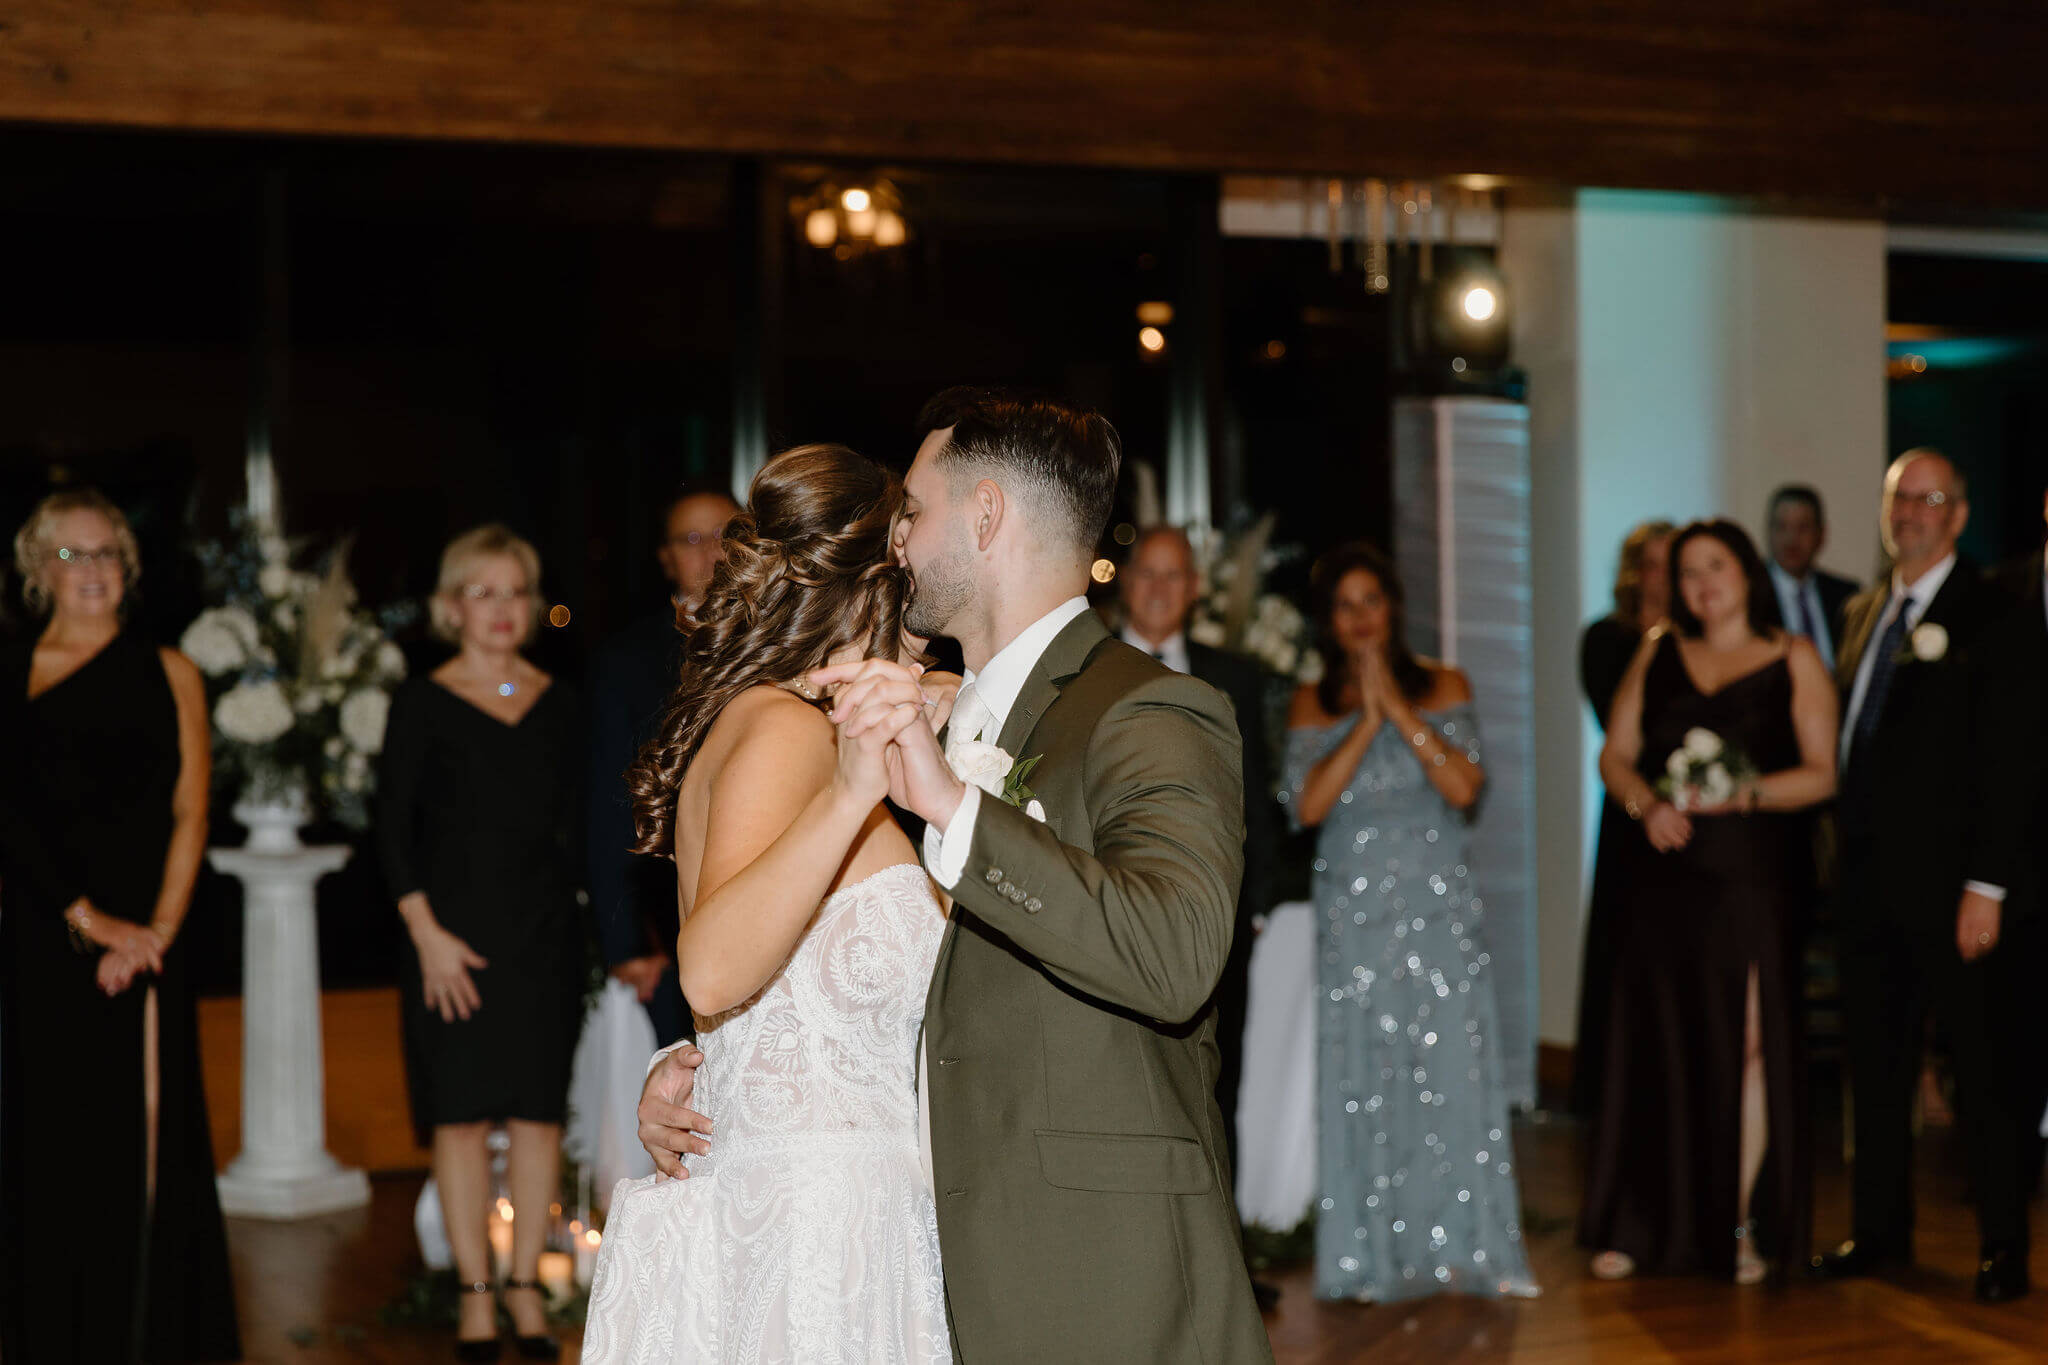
1270, 1249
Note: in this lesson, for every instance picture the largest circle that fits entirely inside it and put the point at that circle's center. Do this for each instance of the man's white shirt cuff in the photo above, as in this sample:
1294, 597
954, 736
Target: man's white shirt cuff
655, 1060
1986, 890
958, 838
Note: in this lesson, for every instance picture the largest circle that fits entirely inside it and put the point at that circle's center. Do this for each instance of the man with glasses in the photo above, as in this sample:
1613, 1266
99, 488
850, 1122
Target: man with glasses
1934, 799
633, 896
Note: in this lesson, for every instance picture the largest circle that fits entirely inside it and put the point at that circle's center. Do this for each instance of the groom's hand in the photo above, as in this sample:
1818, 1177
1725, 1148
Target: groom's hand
870, 692
667, 1127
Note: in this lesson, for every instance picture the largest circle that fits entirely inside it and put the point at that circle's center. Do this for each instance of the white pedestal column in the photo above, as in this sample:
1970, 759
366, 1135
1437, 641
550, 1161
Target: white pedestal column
284, 1170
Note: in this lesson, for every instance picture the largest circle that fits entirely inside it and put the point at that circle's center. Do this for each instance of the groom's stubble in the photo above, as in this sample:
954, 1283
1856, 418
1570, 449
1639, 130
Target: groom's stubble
941, 589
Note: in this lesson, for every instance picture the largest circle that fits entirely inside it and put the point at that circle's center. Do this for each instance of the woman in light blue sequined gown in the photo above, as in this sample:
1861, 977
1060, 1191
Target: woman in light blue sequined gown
1417, 1177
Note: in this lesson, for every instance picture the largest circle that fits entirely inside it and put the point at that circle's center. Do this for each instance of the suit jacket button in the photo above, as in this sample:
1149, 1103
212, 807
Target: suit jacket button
1033, 906
1016, 895
995, 874
1005, 889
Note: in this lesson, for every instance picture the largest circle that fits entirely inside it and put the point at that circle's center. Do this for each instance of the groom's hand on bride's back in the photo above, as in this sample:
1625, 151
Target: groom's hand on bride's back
668, 1126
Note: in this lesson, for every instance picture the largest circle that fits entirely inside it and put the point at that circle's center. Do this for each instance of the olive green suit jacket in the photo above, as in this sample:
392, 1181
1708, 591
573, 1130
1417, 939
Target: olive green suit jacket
1084, 1201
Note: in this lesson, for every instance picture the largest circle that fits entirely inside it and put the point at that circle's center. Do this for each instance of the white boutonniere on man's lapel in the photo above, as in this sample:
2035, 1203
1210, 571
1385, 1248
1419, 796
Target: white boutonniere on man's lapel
1928, 644
990, 767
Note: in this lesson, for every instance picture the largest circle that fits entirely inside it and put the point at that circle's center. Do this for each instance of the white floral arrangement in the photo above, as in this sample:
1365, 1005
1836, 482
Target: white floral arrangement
1235, 612
1703, 771
299, 676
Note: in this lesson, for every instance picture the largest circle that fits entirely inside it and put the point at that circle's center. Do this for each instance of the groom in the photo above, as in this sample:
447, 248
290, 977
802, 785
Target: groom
1069, 1065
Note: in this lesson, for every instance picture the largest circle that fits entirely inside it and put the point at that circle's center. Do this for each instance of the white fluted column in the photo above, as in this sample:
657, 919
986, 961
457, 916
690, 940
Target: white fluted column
284, 1170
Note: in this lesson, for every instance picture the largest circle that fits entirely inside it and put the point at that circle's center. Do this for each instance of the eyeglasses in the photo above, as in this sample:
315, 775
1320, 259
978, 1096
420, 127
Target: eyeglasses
477, 592
85, 559
1935, 499
694, 538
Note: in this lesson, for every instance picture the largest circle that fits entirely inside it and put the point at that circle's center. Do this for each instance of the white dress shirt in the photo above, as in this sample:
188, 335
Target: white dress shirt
996, 687
1172, 651
1913, 599
1791, 593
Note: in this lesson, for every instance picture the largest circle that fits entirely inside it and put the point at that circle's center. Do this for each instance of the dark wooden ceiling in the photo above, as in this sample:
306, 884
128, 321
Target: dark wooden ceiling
1865, 102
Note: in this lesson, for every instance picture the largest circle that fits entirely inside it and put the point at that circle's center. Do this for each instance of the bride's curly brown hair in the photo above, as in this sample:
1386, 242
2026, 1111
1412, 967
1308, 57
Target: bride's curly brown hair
807, 569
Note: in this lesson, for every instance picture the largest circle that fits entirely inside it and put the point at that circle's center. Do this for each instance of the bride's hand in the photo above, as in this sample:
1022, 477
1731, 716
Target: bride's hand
940, 692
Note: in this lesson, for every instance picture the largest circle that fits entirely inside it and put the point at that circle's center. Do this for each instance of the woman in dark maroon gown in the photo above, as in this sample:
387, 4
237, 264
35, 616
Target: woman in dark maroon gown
1704, 1102
111, 1242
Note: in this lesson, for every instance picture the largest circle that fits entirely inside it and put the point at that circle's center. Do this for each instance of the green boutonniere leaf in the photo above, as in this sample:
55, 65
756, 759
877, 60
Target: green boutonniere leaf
1015, 792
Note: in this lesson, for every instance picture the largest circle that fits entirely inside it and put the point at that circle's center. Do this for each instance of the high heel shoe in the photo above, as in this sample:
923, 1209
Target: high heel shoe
479, 1350
537, 1347
1750, 1266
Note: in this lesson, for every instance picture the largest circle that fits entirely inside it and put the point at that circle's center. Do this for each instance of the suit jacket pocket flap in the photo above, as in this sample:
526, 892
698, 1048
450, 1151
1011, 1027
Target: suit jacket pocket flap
1126, 1163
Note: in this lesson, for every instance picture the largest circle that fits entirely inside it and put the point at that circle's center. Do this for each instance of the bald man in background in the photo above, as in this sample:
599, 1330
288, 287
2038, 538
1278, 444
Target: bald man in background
1159, 586
633, 896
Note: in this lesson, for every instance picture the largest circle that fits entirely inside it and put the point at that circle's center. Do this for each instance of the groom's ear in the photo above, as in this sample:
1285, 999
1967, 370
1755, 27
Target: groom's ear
987, 506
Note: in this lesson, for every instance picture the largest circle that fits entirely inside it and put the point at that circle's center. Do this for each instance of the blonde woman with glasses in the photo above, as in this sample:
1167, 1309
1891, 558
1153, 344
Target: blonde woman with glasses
479, 805
106, 1165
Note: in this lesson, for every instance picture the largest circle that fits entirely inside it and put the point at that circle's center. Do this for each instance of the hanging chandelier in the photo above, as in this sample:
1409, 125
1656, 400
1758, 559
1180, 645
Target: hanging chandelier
851, 218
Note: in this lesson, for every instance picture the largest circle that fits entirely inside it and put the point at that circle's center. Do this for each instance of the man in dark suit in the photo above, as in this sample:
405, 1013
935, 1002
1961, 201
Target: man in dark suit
1159, 587
632, 896
1934, 796
1807, 599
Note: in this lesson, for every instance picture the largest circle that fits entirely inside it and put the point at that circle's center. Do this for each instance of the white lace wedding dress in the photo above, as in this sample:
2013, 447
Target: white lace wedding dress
807, 1235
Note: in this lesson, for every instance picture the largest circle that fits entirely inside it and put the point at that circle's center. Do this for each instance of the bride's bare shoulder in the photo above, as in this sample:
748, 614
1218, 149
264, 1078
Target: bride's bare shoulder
767, 725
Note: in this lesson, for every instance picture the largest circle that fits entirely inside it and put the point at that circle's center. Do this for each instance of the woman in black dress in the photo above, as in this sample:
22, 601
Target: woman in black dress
1705, 1077
480, 797
1642, 594
110, 1229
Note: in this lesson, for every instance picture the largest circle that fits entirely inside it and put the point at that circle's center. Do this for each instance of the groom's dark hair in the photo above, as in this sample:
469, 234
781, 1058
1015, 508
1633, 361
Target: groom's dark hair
1072, 453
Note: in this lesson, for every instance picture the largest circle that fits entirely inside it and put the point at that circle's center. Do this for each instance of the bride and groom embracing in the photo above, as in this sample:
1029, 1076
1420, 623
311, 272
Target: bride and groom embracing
1015, 1077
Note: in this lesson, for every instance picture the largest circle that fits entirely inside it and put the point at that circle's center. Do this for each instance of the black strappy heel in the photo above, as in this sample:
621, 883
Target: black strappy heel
485, 1350
535, 1348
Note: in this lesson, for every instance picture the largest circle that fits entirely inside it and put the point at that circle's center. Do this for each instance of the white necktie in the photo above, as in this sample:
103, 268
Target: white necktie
970, 714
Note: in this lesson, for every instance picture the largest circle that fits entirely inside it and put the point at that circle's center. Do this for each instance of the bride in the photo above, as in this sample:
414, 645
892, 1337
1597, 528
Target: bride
806, 1231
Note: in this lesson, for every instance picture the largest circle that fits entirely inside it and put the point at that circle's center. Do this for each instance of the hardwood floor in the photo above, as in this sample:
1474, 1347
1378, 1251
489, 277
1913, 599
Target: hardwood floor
310, 1293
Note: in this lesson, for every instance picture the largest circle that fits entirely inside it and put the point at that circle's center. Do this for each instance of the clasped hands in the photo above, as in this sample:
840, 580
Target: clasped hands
889, 716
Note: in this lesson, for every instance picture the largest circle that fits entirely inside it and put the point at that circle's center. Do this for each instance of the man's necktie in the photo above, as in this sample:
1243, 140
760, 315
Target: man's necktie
1881, 670
1805, 615
970, 714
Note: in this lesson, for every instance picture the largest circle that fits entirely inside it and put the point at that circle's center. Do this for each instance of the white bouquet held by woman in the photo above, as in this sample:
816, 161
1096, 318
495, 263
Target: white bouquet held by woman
300, 677
1703, 772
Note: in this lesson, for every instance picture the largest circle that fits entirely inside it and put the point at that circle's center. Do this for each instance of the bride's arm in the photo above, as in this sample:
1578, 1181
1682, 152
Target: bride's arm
784, 813
1814, 720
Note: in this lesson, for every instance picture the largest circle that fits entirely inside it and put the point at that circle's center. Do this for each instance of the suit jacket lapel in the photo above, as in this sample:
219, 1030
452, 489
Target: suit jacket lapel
1067, 655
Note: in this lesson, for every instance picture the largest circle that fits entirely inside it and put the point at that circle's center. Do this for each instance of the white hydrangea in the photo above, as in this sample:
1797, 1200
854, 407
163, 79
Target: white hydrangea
219, 640
390, 660
1207, 632
285, 615
307, 702
253, 713
342, 663
363, 717
335, 746
275, 579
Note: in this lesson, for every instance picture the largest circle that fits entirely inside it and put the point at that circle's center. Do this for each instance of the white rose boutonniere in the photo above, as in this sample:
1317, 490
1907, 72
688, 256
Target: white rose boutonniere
990, 767
1930, 642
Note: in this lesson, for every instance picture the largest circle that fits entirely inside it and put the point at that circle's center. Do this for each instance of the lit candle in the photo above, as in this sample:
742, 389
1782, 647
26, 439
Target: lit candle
558, 1273
586, 1255
501, 1238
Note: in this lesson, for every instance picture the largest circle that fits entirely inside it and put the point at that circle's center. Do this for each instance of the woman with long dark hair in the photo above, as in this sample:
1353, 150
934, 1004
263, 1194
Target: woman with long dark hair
1416, 1168
1704, 1079
111, 1242
808, 939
